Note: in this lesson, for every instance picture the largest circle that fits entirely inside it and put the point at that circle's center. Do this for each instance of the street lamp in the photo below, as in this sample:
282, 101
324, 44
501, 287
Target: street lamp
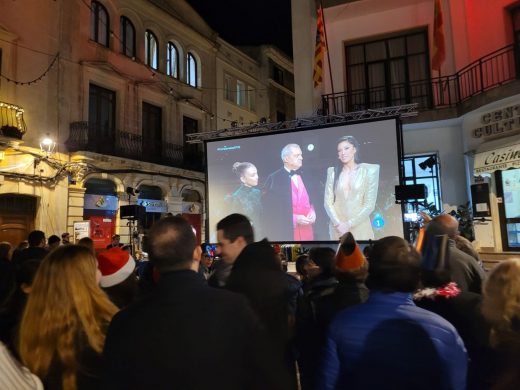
47, 145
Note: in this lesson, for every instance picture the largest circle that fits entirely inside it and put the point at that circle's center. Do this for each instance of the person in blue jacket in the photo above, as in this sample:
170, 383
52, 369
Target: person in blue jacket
389, 342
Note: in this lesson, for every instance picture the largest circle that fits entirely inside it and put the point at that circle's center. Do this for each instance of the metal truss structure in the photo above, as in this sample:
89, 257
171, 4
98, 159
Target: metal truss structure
404, 111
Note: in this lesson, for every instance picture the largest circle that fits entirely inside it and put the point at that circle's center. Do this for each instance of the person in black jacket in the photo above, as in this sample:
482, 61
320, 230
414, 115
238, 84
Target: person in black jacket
35, 251
157, 344
257, 274
234, 233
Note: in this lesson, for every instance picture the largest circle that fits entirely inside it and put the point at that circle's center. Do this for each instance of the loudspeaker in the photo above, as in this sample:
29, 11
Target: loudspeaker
132, 211
411, 192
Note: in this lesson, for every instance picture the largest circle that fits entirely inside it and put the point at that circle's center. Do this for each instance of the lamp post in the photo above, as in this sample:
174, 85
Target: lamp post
47, 145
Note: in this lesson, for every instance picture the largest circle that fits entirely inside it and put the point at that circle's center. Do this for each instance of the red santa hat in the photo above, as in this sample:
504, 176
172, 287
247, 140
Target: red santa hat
115, 265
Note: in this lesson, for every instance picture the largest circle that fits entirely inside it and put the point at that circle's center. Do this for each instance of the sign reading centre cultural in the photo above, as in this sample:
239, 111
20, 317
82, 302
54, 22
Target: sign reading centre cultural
498, 159
505, 121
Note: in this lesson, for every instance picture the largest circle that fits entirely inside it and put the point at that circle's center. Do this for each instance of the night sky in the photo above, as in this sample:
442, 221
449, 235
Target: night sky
249, 22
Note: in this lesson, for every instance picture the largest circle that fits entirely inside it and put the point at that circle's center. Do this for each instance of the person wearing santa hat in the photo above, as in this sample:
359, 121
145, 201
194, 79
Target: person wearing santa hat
117, 276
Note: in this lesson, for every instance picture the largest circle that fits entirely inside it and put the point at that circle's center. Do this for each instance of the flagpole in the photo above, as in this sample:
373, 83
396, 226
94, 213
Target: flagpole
439, 45
327, 49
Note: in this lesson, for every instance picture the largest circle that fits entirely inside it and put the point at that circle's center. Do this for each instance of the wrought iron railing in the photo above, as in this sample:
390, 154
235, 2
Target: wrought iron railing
488, 72
84, 136
12, 124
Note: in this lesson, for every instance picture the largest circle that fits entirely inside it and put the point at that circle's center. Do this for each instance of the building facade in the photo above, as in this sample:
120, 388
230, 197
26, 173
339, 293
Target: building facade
380, 55
117, 85
254, 83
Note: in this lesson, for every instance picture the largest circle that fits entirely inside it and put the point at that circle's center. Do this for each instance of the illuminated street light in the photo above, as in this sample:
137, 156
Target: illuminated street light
47, 145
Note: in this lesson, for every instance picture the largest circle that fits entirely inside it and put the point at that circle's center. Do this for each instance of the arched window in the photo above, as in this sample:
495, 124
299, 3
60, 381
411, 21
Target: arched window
151, 50
172, 61
127, 37
191, 70
99, 23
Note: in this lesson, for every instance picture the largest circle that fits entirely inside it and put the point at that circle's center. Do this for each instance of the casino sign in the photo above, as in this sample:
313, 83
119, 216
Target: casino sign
497, 159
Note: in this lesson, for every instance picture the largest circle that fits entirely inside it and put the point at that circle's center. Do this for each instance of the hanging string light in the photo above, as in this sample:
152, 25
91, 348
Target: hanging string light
17, 82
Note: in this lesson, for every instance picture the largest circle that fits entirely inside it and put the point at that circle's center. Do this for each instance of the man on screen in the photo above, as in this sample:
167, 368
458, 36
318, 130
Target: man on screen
289, 211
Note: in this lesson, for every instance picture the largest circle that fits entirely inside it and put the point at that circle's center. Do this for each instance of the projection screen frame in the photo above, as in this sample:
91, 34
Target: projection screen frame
348, 123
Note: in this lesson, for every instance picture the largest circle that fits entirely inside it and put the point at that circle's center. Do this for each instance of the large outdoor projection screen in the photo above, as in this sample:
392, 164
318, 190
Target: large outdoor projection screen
320, 200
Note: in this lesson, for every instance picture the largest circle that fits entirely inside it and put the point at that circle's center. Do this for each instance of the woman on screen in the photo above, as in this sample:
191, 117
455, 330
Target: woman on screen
246, 199
351, 192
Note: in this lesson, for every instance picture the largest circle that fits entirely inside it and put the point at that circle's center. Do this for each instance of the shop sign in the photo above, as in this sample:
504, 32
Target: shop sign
153, 205
101, 202
498, 159
501, 122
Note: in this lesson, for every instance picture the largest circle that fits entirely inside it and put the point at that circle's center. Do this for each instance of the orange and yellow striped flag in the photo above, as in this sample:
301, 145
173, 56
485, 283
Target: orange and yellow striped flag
319, 51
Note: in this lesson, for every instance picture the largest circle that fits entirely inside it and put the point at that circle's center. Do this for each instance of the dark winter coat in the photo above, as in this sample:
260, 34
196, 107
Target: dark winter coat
257, 274
389, 341
156, 343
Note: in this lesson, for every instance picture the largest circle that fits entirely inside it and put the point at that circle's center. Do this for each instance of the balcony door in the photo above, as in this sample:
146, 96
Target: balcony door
388, 72
152, 132
101, 119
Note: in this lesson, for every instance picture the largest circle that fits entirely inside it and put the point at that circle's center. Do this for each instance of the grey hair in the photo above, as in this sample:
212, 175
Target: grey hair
287, 150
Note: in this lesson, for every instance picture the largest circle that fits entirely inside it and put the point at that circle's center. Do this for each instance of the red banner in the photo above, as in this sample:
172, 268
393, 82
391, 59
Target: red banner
319, 50
439, 46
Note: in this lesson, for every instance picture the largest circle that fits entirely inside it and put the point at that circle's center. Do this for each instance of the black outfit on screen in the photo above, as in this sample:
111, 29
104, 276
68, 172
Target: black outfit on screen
278, 206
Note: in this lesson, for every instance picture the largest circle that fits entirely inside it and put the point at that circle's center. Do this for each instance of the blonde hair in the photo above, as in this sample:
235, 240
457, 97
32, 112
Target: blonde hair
65, 307
501, 303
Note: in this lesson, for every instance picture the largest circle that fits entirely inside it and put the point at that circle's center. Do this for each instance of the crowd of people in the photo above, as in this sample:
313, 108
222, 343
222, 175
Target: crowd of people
390, 316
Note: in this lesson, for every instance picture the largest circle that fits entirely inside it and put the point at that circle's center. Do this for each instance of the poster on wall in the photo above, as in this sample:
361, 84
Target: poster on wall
101, 230
81, 230
101, 202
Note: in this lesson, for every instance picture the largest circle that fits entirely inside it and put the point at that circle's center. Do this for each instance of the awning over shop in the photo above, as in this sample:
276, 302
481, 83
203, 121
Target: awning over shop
497, 159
